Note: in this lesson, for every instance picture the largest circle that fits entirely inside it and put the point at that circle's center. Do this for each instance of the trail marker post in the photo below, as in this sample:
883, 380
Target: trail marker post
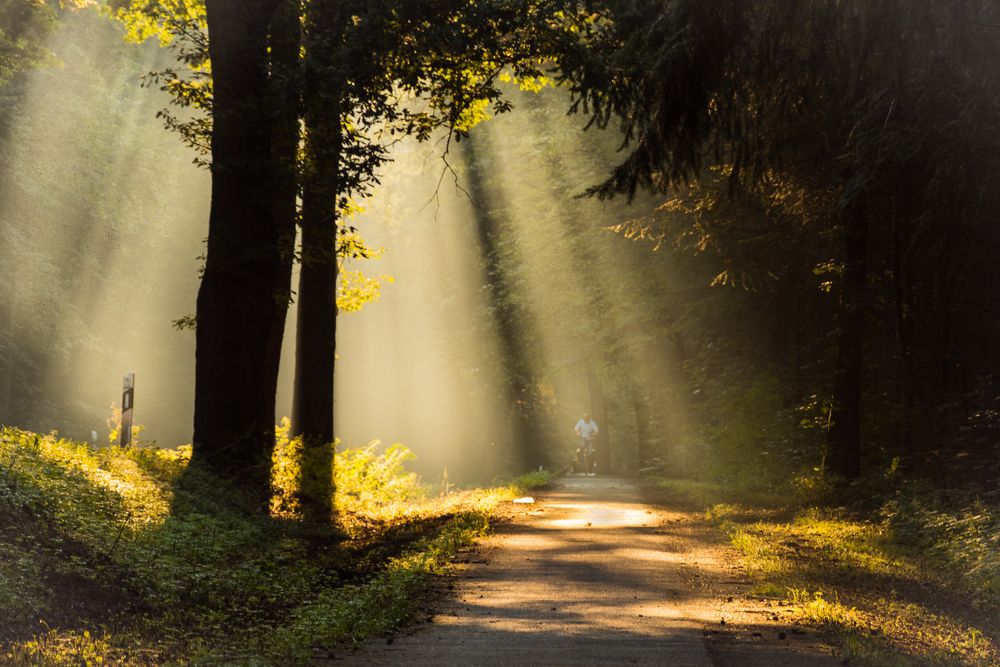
128, 396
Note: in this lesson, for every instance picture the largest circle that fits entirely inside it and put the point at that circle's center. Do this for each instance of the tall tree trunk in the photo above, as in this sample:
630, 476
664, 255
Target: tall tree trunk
240, 311
286, 45
844, 437
316, 332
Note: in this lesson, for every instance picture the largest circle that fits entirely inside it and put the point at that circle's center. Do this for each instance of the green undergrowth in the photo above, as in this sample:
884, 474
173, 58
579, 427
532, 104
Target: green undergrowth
914, 582
125, 556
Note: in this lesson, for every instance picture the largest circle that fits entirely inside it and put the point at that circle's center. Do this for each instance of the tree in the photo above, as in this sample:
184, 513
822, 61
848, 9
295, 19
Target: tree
837, 97
26, 23
315, 342
448, 54
354, 70
243, 300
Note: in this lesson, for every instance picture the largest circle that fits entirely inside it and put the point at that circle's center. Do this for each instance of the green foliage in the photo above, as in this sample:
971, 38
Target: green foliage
355, 289
176, 569
960, 539
532, 480
408, 69
367, 477
770, 127
370, 480
745, 422
55, 647
163, 19
24, 27
893, 591
181, 26
114, 423
348, 614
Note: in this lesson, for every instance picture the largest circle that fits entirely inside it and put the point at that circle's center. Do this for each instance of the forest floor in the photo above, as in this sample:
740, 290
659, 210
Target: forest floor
590, 573
908, 584
127, 556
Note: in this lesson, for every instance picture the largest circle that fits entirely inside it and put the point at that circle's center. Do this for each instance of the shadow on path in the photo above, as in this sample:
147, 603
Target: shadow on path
591, 575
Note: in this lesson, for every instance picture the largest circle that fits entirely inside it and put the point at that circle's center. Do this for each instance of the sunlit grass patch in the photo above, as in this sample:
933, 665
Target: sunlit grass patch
917, 584
837, 542
760, 556
854, 544
60, 648
881, 631
852, 577
816, 608
532, 480
178, 572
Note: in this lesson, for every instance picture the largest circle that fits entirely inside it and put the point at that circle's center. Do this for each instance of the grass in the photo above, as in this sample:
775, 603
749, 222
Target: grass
914, 584
105, 558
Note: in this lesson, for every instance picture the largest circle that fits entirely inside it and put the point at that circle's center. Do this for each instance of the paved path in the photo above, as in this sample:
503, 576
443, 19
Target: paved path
590, 575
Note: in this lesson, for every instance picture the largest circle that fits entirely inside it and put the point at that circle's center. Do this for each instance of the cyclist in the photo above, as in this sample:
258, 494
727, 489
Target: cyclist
587, 429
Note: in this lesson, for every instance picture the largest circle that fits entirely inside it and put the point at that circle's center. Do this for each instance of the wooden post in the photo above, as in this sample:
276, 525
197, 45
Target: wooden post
128, 395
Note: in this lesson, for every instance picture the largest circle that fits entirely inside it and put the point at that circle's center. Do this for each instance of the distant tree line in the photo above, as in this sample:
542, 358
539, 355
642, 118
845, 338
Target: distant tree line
820, 182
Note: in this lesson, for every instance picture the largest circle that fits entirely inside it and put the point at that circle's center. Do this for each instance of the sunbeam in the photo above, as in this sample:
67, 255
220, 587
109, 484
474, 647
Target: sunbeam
514, 306
93, 188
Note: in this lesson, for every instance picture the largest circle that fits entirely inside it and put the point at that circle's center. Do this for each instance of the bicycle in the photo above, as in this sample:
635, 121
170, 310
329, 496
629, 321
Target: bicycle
586, 458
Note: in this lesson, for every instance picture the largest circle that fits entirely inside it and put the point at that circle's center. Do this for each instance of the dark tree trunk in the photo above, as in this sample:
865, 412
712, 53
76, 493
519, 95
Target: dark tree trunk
315, 343
315, 347
286, 44
844, 438
315, 340
316, 331
241, 308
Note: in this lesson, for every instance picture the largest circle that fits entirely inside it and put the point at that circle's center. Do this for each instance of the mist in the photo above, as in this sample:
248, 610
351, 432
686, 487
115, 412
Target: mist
102, 215
512, 308
510, 290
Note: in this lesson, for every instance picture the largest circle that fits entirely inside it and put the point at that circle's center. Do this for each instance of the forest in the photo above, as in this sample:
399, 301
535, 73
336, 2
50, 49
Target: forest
370, 261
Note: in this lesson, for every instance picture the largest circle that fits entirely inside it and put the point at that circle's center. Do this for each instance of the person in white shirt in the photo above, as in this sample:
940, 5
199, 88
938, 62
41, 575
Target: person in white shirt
587, 429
